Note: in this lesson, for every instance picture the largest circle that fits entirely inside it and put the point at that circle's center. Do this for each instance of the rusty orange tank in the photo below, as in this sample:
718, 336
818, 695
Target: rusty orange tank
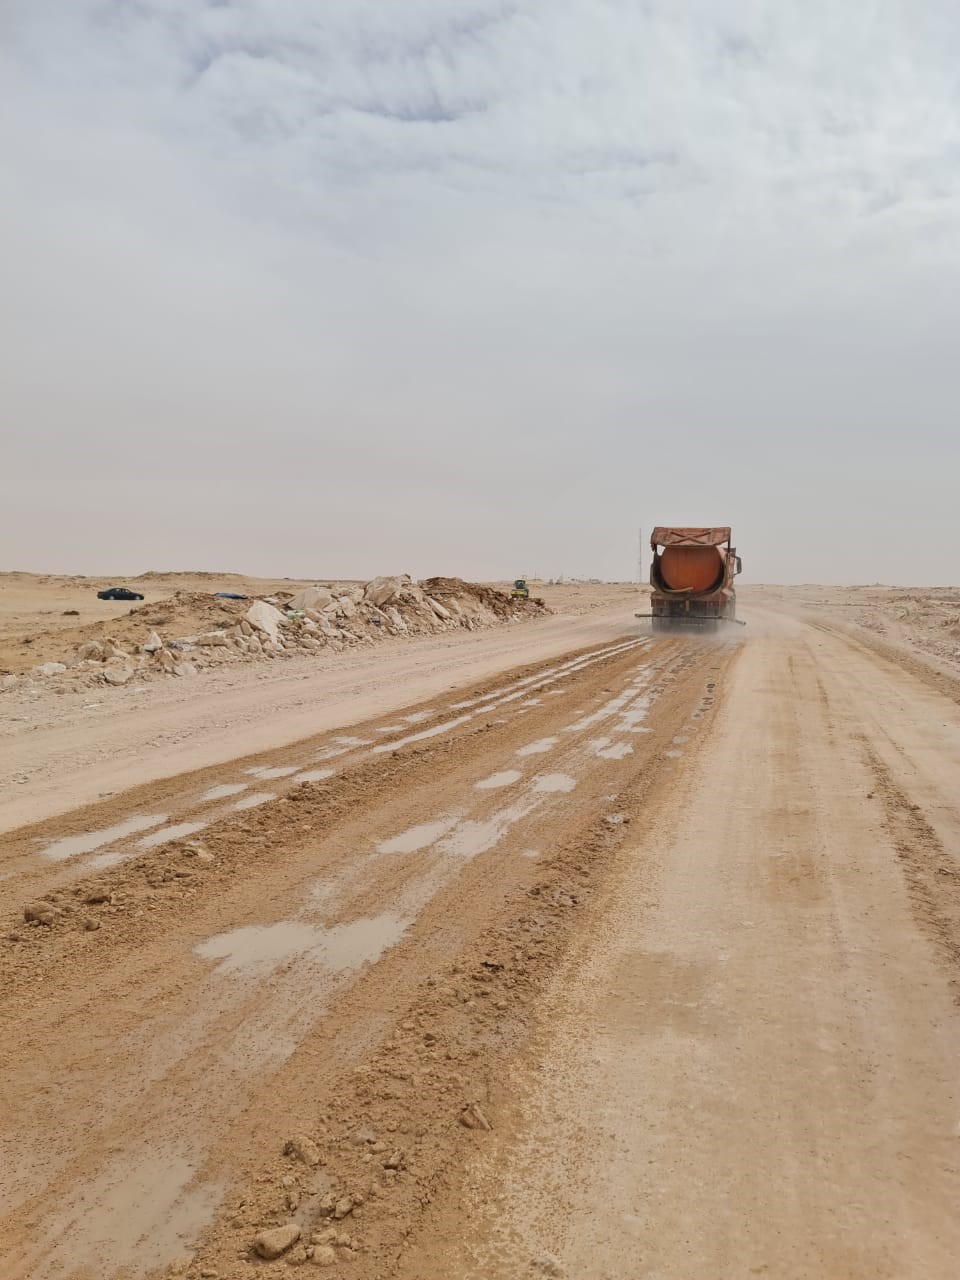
692, 577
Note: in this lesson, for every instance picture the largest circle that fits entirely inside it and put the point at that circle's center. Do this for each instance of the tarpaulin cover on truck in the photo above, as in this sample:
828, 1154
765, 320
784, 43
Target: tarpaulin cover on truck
670, 536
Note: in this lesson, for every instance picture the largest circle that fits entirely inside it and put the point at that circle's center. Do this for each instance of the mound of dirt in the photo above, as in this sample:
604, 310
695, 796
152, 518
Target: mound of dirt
498, 602
193, 629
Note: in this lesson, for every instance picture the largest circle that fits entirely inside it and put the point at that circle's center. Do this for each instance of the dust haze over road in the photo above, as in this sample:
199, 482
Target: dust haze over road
565, 949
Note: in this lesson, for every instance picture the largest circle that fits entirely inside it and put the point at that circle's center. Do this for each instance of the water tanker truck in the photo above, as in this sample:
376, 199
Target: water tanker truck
691, 578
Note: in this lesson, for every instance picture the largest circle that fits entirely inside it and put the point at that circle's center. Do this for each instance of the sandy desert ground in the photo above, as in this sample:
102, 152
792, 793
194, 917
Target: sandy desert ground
549, 948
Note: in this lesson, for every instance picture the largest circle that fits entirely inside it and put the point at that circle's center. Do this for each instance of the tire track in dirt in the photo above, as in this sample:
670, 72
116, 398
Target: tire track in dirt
190, 1054
932, 875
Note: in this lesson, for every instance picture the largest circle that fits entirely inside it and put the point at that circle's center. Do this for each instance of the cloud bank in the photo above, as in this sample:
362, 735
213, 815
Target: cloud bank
311, 287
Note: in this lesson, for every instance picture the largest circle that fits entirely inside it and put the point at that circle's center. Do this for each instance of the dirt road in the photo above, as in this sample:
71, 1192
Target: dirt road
640, 960
60, 752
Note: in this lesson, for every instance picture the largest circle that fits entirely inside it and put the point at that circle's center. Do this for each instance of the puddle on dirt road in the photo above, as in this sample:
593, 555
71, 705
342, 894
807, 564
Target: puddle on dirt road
554, 782
71, 846
616, 751
176, 832
632, 717
417, 717
259, 949
314, 775
224, 790
263, 772
424, 733
251, 802
417, 838
496, 780
470, 837
141, 1212
538, 748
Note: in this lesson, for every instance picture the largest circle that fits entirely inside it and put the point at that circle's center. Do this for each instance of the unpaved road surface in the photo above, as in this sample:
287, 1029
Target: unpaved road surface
57, 752
641, 959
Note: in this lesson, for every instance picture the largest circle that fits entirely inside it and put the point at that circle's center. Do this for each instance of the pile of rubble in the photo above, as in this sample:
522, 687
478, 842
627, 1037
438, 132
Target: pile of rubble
313, 620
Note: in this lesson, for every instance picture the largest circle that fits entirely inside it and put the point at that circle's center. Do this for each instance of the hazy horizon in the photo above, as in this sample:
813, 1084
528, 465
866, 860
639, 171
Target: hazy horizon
480, 289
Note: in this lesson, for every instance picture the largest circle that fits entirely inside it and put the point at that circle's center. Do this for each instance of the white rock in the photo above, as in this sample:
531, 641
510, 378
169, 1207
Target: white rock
311, 598
50, 668
346, 607
265, 618
184, 669
276, 1240
213, 639
152, 644
438, 608
382, 590
119, 673
92, 649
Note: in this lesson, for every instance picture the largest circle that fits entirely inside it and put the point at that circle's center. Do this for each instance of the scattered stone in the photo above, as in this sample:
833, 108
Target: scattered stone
265, 618
97, 895
41, 912
184, 669
90, 924
311, 598
473, 1117
275, 1241
50, 668
324, 1255
118, 674
547, 1266
305, 1149
152, 644
382, 590
342, 1208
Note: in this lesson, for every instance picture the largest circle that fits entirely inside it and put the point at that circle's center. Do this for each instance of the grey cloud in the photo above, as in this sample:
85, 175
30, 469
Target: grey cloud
364, 262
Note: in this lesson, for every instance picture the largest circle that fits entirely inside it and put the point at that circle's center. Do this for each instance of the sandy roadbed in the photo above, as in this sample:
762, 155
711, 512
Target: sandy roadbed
748, 1063
60, 752
642, 958
202, 1004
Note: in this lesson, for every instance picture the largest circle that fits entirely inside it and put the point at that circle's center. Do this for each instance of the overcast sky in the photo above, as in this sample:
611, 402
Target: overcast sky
340, 287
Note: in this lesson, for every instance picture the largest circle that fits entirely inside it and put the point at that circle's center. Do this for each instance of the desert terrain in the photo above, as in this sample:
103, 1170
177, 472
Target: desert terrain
493, 941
